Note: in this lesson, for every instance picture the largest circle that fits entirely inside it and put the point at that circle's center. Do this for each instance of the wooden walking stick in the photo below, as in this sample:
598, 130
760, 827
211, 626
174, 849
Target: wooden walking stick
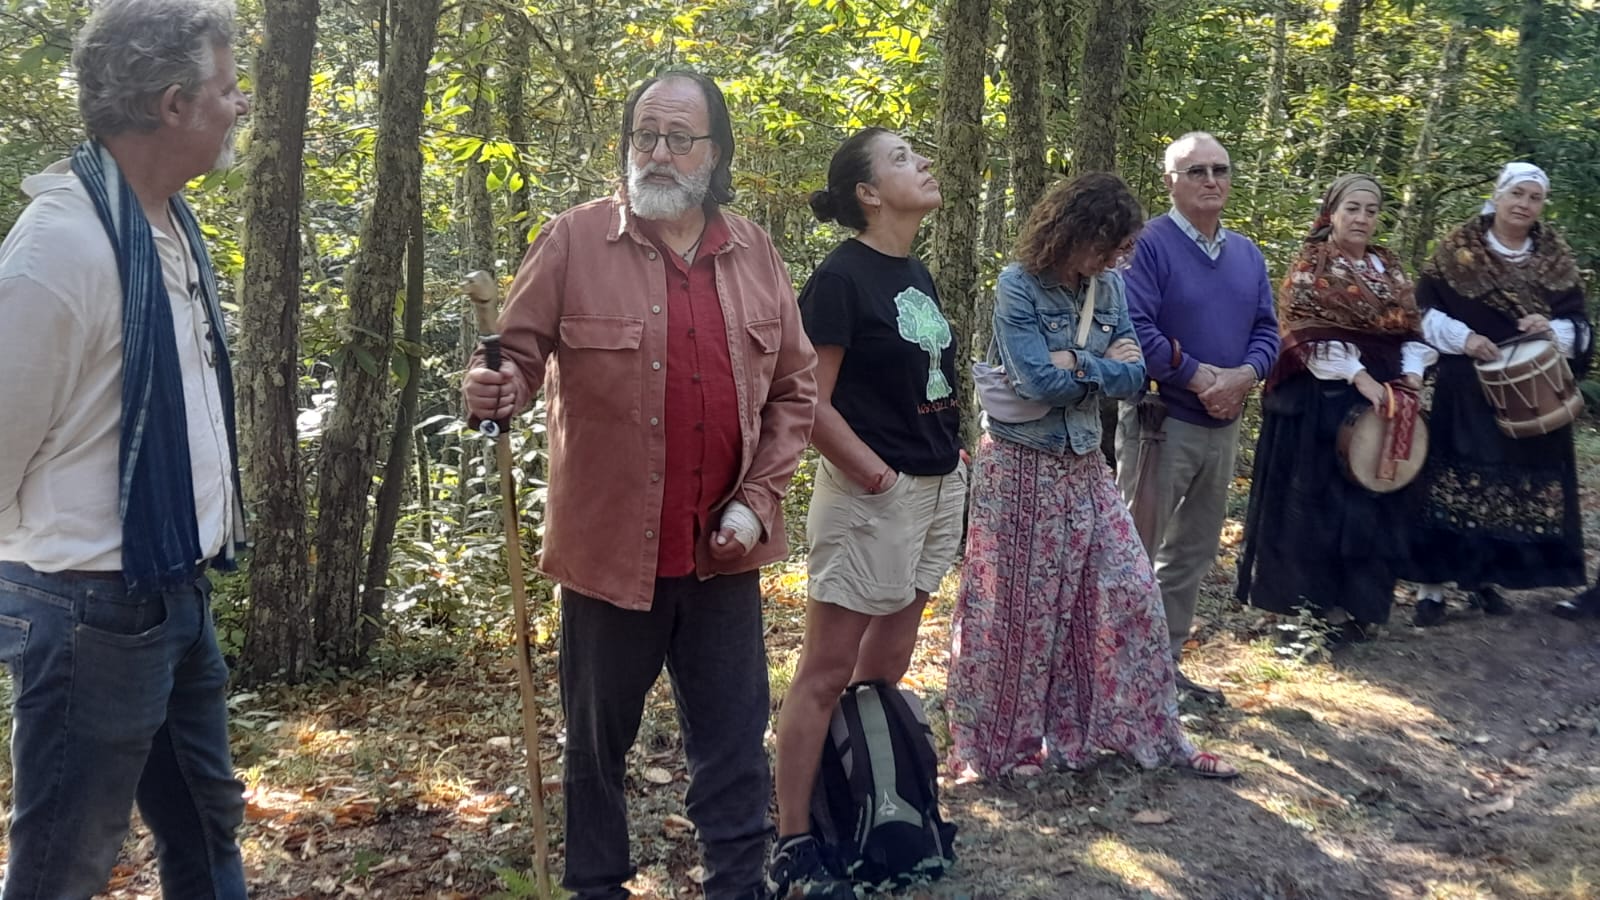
481, 289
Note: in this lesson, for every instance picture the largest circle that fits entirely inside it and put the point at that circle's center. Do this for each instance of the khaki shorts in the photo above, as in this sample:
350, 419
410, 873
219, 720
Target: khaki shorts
872, 552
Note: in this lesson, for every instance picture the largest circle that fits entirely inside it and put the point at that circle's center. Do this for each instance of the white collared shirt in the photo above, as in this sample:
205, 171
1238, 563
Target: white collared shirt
61, 385
1212, 247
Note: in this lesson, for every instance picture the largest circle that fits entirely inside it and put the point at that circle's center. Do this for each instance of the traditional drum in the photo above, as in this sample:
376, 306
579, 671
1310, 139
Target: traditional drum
1530, 388
1383, 449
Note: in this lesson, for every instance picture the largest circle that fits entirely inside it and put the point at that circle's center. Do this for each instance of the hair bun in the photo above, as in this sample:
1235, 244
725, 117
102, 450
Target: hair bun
823, 207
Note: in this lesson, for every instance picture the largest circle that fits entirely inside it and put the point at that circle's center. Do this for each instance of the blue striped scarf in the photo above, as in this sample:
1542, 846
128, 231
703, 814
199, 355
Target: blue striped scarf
160, 537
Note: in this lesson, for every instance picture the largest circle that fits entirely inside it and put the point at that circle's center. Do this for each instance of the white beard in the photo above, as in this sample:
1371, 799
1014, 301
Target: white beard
225, 158
227, 153
665, 202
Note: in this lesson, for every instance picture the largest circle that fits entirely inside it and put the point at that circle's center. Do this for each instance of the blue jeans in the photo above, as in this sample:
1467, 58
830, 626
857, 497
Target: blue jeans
117, 698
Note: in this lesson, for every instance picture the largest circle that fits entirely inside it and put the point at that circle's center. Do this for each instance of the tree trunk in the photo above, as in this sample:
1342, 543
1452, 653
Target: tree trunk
961, 148
513, 107
1103, 72
395, 469
1341, 68
1025, 116
373, 282
269, 346
1419, 203
1272, 113
480, 245
995, 242
1063, 28
996, 249
1272, 104
1530, 62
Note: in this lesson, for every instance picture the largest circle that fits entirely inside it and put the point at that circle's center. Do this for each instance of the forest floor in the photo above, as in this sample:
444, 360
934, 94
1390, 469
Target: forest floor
1458, 762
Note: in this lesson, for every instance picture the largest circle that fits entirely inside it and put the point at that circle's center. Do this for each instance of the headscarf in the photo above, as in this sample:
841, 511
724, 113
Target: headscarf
1512, 175
1341, 187
1327, 297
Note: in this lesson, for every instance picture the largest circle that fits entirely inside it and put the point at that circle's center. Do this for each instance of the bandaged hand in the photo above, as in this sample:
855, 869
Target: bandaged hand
741, 521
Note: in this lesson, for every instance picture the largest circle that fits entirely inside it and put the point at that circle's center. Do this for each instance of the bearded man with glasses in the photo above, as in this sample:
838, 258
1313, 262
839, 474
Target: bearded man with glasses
1202, 306
681, 387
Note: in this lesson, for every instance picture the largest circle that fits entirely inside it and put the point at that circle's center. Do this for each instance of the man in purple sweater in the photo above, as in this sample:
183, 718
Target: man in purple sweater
1202, 306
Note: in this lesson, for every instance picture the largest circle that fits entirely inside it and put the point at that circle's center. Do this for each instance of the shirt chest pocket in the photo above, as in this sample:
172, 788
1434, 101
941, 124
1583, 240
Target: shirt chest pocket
1060, 328
600, 365
761, 352
1100, 331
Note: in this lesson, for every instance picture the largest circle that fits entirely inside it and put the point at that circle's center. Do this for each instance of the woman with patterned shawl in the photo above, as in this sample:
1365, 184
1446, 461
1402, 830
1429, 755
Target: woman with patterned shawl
1352, 335
1495, 511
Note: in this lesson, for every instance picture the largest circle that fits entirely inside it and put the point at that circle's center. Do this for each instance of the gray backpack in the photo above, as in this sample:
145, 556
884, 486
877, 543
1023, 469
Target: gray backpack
875, 806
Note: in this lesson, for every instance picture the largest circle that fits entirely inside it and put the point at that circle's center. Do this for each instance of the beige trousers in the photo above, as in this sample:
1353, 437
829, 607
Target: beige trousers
1192, 503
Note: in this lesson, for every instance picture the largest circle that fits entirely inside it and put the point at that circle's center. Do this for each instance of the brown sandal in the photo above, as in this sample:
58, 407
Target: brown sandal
1210, 765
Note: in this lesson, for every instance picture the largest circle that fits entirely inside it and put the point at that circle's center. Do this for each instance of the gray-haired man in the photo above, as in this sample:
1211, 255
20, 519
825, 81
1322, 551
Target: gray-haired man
1202, 306
118, 475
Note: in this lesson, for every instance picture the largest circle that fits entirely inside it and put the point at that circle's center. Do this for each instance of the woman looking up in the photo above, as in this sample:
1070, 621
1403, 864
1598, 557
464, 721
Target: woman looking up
885, 517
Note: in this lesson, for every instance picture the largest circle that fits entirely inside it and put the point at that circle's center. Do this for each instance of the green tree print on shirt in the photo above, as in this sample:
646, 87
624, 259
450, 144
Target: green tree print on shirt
922, 324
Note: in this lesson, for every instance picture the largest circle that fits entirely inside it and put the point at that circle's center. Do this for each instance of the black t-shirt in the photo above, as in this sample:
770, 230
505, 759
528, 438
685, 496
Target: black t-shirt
884, 311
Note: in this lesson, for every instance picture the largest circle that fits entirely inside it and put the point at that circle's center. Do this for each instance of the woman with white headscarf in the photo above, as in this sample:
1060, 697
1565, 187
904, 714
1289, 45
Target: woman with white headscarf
1498, 512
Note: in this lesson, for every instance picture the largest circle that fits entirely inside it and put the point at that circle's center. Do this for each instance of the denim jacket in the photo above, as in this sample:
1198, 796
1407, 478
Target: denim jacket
1035, 315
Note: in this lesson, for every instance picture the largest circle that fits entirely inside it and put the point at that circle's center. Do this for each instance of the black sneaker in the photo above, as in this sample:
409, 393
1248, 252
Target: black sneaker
1584, 604
1430, 612
796, 870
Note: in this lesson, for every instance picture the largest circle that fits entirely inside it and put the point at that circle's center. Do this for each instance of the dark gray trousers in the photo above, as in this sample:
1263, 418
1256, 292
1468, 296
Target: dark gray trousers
709, 636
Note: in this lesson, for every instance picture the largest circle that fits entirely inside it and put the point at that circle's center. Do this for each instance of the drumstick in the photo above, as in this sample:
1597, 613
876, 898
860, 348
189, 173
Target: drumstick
1543, 334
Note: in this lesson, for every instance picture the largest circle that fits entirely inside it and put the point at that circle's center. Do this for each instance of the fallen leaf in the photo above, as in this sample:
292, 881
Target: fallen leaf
503, 742
1152, 817
657, 775
1483, 810
677, 826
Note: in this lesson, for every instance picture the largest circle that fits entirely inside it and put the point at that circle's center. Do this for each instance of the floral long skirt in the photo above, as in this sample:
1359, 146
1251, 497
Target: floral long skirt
1060, 648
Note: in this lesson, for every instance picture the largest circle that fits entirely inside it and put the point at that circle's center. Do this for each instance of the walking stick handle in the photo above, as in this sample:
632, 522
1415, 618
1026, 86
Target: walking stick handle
482, 290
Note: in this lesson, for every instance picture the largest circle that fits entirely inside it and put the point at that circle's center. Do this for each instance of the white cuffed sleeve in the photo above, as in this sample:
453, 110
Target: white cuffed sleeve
1416, 357
1447, 335
1335, 361
1566, 332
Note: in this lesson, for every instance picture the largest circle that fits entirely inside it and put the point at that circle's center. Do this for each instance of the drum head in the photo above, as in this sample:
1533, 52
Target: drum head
1516, 354
1360, 448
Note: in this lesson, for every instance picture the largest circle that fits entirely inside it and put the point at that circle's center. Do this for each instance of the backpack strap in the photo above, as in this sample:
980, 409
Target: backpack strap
860, 760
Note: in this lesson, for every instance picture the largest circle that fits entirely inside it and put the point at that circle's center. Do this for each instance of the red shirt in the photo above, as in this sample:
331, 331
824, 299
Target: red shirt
701, 419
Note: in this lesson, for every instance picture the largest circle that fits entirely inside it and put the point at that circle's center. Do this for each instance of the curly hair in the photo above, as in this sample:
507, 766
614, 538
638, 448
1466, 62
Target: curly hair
1092, 211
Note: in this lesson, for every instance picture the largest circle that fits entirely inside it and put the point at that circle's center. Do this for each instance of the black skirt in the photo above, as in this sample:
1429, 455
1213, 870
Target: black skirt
1493, 509
1314, 539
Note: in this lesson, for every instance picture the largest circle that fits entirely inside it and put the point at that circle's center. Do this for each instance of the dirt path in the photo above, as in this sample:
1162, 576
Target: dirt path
1461, 762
